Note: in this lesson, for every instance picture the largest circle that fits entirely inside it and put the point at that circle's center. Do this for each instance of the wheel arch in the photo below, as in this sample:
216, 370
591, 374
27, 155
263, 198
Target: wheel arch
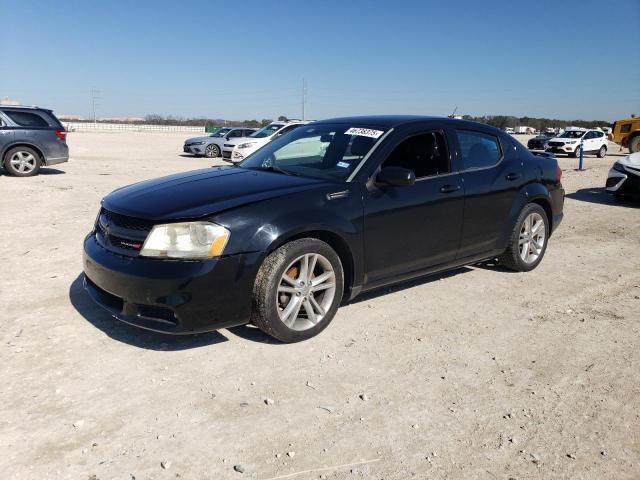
22, 144
335, 241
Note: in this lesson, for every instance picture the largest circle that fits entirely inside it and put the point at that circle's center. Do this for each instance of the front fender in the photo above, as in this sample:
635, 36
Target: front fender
264, 226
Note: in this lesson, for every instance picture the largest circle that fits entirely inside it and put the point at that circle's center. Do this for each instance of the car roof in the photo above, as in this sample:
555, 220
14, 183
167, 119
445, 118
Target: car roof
391, 121
24, 107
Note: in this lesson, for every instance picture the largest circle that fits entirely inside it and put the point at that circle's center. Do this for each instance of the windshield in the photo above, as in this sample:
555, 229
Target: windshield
221, 132
328, 151
267, 131
572, 134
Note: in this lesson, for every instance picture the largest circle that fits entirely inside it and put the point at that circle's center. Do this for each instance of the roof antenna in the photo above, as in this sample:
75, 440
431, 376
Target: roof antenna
453, 115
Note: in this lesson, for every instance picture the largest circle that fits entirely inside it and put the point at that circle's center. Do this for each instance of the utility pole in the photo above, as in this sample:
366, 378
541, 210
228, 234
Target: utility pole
304, 95
94, 96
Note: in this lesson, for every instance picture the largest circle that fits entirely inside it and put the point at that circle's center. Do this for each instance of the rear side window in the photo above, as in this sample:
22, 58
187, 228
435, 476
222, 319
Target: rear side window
478, 150
26, 119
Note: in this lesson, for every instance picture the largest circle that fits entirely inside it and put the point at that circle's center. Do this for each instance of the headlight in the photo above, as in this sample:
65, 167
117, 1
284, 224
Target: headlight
246, 145
186, 240
197, 143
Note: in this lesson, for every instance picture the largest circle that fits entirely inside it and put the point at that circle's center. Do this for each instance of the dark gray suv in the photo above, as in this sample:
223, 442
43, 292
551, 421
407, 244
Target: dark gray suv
30, 137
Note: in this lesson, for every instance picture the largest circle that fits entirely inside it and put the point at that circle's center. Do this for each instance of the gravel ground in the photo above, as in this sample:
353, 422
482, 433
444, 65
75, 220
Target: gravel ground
479, 373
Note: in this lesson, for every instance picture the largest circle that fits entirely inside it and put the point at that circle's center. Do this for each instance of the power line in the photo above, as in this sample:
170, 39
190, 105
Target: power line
304, 95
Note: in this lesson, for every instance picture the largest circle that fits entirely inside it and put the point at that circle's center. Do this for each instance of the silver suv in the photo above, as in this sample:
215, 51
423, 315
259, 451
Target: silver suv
30, 137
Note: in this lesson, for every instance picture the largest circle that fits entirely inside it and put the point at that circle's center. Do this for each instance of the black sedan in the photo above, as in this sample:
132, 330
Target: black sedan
540, 142
314, 218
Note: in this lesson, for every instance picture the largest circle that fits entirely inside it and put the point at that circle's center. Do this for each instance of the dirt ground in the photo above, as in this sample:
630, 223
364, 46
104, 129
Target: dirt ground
479, 373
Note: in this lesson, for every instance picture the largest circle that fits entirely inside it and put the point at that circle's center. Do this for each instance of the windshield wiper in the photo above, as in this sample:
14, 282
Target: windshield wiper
275, 168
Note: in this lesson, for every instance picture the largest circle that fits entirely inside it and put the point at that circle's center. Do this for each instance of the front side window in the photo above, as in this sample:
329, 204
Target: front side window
327, 151
425, 154
235, 134
478, 150
26, 119
626, 128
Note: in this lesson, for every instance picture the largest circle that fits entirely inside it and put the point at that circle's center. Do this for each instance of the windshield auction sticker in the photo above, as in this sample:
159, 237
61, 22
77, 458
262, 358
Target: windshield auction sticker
364, 132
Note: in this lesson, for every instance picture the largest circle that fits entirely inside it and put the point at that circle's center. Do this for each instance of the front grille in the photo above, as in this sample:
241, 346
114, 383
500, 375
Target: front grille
121, 233
226, 154
556, 144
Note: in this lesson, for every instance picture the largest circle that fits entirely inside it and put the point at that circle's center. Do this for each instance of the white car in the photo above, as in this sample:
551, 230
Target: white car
241, 148
593, 141
624, 176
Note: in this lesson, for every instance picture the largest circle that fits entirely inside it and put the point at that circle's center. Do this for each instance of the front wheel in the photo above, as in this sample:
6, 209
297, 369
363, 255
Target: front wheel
602, 152
528, 241
298, 290
212, 151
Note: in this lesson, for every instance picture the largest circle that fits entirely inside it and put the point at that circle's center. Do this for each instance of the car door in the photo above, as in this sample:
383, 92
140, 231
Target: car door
6, 135
492, 173
411, 228
588, 142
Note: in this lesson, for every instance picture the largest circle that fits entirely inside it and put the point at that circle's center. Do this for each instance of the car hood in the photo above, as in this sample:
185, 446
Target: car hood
202, 193
564, 140
239, 140
198, 139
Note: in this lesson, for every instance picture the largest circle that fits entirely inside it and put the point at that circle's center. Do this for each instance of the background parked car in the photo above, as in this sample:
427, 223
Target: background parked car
540, 142
211, 145
30, 137
241, 148
626, 132
593, 141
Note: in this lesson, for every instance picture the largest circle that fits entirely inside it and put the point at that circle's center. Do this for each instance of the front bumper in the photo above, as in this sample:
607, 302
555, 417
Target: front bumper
171, 296
194, 149
624, 183
564, 149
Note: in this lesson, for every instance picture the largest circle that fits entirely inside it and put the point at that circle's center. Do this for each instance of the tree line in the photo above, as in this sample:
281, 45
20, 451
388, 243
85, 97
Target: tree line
503, 121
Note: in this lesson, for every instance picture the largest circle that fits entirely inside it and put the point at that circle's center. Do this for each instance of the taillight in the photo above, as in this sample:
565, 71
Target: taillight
558, 172
61, 134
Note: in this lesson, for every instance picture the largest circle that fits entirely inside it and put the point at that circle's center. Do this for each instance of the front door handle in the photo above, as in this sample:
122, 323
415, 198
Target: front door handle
449, 188
513, 176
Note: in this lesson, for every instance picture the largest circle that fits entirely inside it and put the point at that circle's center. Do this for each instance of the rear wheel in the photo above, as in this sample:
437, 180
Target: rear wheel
298, 290
212, 151
602, 152
528, 241
22, 162
634, 144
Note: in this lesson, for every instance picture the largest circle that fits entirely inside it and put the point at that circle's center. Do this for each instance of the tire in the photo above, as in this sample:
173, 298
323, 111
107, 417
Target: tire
512, 258
212, 151
634, 144
576, 153
272, 294
22, 162
602, 152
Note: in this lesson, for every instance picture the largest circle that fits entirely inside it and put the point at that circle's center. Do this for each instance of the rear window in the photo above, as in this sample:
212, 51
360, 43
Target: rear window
479, 150
26, 119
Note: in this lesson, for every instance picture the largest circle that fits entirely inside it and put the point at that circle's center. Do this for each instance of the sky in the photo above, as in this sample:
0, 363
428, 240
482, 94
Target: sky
570, 59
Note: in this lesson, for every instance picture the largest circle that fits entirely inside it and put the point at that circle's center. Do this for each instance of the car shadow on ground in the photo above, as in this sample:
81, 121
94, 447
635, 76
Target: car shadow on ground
51, 171
133, 336
600, 195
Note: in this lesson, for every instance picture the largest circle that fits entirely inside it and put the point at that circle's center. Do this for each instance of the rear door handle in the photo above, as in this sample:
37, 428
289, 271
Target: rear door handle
449, 188
513, 176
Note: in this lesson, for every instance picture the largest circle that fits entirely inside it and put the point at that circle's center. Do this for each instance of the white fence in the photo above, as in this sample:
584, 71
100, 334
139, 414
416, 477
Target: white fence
129, 127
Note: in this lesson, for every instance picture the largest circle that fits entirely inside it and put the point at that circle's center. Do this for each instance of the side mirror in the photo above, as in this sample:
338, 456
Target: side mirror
396, 177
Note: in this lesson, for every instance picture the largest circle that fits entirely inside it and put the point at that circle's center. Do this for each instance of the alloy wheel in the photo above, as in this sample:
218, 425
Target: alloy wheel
306, 291
23, 162
532, 238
